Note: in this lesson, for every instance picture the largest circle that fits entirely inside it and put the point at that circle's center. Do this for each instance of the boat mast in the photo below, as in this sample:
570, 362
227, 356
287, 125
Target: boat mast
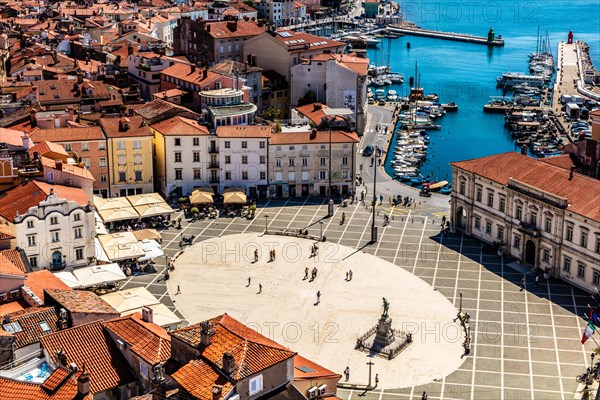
537, 42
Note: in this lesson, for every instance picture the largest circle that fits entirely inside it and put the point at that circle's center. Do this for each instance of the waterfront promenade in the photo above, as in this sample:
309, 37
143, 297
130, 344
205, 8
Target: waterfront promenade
459, 37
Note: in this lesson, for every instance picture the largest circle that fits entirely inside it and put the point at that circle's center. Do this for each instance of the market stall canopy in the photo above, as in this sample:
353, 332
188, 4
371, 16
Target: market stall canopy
151, 249
130, 299
100, 228
68, 279
114, 209
143, 234
100, 253
121, 246
99, 274
234, 195
202, 196
149, 204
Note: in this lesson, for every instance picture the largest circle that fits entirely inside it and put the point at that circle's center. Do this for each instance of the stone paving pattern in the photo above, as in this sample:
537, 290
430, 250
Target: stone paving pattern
526, 345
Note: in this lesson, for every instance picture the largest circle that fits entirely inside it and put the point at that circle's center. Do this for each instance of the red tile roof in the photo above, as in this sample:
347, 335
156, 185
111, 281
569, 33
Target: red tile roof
7, 267
582, 192
303, 41
31, 193
5, 233
14, 256
91, 346
81, 301
137, 127
68, 134
244, 131
252, 351
321, 137
198, 378
317, 370
350, 61
225, 29
313, 111
61, 385
180, 126
149, 341
52, 150
185, 73
30, 320
563, 161
37, 281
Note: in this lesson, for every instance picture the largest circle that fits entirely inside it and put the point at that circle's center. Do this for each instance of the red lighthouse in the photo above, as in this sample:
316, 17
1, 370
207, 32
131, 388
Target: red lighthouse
570, 37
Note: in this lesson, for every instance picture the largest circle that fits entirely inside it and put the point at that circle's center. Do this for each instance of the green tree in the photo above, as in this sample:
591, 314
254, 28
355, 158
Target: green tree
309, 97
271, 113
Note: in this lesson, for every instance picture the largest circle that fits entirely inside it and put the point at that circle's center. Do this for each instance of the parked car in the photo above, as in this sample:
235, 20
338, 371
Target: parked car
381, 102
368, 151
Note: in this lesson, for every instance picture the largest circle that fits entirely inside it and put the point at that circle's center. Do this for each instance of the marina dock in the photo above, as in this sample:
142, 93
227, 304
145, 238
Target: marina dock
458, 37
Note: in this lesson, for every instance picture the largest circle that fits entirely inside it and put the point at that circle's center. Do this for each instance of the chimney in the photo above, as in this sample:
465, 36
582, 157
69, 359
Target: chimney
571, 174
61, 358
204, 73
83, 384
207, 27
59, 165
205, 334
192, 68
232, 25
26, 141
124, 124
147, 314
524, 150
317, 106
216, 392
228, 363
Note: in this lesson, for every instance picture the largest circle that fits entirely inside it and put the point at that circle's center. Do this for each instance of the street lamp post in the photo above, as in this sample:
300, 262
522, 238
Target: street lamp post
321, 225
329, 200
370, 364
266, 223
373, 227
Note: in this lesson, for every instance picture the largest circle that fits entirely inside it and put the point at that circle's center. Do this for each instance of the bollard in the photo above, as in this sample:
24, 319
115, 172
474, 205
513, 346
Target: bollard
393, 217
412, 220
433, 221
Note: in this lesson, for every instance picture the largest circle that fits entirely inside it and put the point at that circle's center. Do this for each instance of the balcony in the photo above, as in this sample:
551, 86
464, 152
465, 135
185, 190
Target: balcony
213, 165
529, 229
213, 150
213, 180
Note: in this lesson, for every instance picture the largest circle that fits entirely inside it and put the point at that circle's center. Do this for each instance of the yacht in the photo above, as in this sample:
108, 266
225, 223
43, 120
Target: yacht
392, 95
396, 78
515, 78
371, 41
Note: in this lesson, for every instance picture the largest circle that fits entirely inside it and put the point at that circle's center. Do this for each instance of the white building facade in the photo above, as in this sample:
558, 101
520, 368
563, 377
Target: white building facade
543, 226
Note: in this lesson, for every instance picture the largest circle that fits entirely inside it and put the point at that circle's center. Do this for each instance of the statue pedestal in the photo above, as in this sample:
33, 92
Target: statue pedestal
384, 334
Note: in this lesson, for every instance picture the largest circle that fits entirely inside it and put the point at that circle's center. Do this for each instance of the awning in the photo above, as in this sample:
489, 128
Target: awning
68, 279
151, 249
100, 228
144, 199
152, 210
99, 274
234, 196
202, 196
118, 214
121, 246
130, 299
142, 234
161, 315
100, 253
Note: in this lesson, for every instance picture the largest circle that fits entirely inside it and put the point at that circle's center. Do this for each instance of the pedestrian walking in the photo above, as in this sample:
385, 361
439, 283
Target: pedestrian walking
537, 279
376, 380
350, 275
259, 288
273, 254
305, 274
444, 220
249, 282
424, 396
343, 217
522, 283
318, 297
347, 274
256, 255
178, 290
347, 373
381, 199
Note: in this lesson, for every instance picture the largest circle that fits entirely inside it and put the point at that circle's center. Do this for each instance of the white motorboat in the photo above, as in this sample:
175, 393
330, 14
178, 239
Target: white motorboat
510, 79
392, 95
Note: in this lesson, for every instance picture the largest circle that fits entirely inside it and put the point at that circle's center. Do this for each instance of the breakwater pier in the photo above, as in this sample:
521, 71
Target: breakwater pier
490, 40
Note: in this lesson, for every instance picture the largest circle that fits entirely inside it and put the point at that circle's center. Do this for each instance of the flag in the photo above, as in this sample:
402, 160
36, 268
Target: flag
595, 318
587, 332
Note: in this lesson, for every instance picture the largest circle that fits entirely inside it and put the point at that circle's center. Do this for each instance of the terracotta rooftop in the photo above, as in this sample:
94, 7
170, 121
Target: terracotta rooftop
34, 322
563, 161
8, 267
92, 346
185, 73
61, 385
13, 306
198, 378
11, 136
5, 233
14, 256
149, 341
68, 134
307, 369
350, 61
74, 170
137, 127
230, 68
322, 137
302, 41
157, 107
582, 192
80, 301
31, 193
244, 131
37, 281
49, 149
233, 29
313, 111
252, 351
180, 126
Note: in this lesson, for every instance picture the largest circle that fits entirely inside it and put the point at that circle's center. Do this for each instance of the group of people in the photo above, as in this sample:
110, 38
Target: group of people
445, 225
313, 274
402, 201
314, 251
349, 275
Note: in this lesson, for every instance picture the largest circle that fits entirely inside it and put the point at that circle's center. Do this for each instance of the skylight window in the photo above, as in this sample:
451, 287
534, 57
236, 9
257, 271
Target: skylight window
13, 327
45, 327
285, 34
